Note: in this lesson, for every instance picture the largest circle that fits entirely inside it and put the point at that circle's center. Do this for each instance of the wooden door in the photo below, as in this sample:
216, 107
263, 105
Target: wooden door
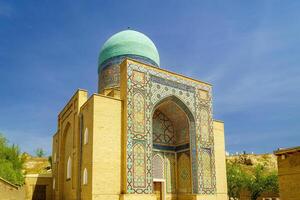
157, 190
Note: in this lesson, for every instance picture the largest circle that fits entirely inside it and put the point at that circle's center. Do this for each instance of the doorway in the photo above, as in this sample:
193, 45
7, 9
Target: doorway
39, 192
159, 189
172, 124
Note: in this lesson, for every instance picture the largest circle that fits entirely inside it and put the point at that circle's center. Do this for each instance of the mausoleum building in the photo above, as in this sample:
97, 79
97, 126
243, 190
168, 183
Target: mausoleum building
147, 134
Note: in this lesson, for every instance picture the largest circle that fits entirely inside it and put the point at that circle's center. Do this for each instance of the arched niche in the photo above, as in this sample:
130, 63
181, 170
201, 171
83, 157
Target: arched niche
173, 130
65, 159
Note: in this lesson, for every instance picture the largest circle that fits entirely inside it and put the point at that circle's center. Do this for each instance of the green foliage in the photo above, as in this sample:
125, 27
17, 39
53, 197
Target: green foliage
39, 152
255, 181
11, 162
50, 161
261, 181
235, 180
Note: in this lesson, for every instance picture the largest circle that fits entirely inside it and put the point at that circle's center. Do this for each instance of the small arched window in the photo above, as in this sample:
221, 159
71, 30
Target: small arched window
54, 157
86, 136
54, 183
69, 168
85, 177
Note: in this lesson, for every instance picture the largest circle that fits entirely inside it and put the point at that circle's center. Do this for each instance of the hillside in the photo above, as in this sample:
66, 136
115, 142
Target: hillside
248, 161
36, 165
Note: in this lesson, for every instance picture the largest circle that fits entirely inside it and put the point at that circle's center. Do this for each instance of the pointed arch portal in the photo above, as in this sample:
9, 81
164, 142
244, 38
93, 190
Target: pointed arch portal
170, 116
172, 123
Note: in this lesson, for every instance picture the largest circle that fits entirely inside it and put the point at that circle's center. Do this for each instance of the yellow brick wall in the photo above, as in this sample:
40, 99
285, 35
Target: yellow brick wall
9, 192
123, 97
31, 180
106, 148
220, 160
68, 117
171, 196
69, 189
208, 197
87, 149
289, 176
137, 197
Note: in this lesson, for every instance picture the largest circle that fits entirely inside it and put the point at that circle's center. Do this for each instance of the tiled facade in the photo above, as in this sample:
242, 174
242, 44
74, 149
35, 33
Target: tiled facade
154, 125
146, 89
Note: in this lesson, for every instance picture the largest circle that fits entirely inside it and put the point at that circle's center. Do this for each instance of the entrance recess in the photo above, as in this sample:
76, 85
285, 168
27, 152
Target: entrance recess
171, 150
159, 189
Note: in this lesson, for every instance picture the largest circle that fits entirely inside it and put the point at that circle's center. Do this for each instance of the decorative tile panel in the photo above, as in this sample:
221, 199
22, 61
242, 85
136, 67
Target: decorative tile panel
138, 114
139, 163
163, 129
138, 77
204, 125
207, 168
158, 166
170, 171
109, 71
205, 147
195, 100
184, 173
110, 77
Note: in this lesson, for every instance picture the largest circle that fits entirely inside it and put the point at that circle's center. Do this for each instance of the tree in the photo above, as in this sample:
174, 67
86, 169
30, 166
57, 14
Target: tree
11, 162
261, 181
235, 180
39, 152
50, 161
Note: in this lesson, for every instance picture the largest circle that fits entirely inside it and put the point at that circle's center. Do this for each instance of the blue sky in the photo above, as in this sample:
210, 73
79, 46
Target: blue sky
249, 51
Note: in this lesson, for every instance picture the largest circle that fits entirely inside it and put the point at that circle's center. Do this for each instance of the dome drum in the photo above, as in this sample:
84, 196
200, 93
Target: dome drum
125, 44
118, 60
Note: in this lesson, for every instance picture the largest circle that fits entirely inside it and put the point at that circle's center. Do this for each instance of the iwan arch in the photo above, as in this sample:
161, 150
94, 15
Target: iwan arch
147, 134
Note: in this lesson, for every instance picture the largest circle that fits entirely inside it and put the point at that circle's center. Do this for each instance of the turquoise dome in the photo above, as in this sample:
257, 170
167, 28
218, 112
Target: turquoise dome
129, 43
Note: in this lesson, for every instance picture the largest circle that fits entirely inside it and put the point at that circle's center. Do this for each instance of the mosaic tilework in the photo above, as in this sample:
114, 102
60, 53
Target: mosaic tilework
192, 97
163, 129
139, 158
138, 77
183, 136
160, 91
184, 173
204, 139
204, 125
207, 168
109, 71
138, 114
158, 167
138, 131
170, 172
110, 77
169, 169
